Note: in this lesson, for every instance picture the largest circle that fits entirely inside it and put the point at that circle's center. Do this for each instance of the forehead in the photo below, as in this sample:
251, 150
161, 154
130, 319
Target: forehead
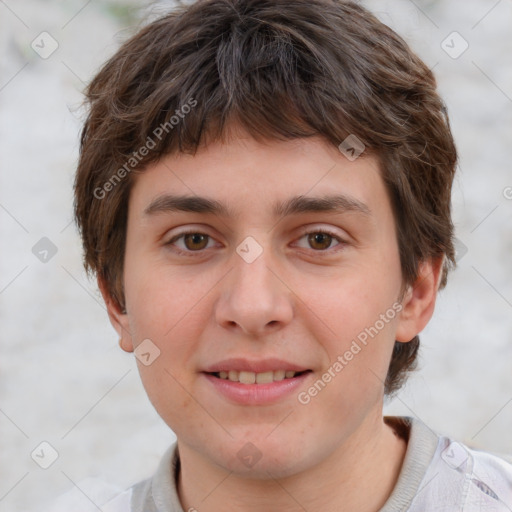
274, 177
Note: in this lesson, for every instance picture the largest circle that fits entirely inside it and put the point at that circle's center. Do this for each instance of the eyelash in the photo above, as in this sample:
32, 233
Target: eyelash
190, 253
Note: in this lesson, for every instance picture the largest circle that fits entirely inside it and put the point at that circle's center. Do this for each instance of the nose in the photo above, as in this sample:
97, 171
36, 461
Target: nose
254, 297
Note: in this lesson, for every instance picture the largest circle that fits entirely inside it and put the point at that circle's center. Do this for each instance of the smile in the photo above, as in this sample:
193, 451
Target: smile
256, 388
247, 377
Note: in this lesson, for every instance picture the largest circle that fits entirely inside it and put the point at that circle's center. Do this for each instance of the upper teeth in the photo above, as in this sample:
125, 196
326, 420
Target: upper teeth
256, 378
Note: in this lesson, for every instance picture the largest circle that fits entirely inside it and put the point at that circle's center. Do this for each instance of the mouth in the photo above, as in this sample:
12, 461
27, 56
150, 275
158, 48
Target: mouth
245, 381
248, 377
260, 383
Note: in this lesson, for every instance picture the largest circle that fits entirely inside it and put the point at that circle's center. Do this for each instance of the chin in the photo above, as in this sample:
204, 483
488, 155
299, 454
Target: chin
262, 458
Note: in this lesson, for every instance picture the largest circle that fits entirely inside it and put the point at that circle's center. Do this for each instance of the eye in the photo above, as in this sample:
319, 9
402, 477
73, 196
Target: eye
193, 241
321, 239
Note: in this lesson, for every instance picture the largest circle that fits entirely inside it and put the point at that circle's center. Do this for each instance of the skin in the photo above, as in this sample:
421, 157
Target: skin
300, 300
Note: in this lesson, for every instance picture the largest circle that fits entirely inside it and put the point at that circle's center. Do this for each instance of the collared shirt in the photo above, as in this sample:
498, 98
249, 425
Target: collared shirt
438, 474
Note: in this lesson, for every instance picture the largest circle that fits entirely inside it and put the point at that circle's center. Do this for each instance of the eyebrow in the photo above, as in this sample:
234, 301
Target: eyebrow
295, 205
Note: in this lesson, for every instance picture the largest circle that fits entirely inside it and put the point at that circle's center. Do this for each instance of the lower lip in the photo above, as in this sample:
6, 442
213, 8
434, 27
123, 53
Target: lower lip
256, 394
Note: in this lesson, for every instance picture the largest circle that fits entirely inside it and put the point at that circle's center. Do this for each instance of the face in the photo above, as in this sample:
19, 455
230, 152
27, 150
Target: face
272, 301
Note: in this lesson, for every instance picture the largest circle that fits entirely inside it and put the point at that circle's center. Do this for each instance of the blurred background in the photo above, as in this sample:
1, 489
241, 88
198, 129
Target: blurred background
64, 380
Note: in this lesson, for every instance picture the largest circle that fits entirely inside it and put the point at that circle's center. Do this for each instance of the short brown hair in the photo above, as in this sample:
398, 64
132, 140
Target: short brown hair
283, 69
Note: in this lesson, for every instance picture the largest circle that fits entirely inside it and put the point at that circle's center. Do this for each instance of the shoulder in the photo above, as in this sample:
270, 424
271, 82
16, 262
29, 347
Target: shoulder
439, 473
489, 476
90, 495
471, 479
157, 493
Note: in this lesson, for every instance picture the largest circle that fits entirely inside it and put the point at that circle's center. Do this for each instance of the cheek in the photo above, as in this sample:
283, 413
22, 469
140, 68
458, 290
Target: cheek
169, 312
156, 300
353, 301
360, 310
164, 385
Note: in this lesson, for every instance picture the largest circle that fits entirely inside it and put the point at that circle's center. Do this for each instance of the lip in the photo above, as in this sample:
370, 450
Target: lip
256, 394
263, 365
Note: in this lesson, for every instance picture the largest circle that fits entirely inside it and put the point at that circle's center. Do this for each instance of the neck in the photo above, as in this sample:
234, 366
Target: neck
370, 458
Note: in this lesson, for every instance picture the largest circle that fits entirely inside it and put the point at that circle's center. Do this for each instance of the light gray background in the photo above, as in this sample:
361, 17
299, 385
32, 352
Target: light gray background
63, 378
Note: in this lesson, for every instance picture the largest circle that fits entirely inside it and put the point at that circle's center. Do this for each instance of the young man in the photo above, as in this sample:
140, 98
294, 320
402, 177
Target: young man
263, 192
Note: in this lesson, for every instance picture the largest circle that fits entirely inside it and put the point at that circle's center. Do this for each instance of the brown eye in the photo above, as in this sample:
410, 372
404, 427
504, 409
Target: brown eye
319, 240
189, 242
195, 241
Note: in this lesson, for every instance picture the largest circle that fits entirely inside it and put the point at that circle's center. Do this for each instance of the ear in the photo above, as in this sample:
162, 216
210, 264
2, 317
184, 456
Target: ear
419, 300
118, 318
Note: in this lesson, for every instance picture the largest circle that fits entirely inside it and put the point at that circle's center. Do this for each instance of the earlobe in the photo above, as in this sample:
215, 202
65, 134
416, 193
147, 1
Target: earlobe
419, 300
118, 318
127, 347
